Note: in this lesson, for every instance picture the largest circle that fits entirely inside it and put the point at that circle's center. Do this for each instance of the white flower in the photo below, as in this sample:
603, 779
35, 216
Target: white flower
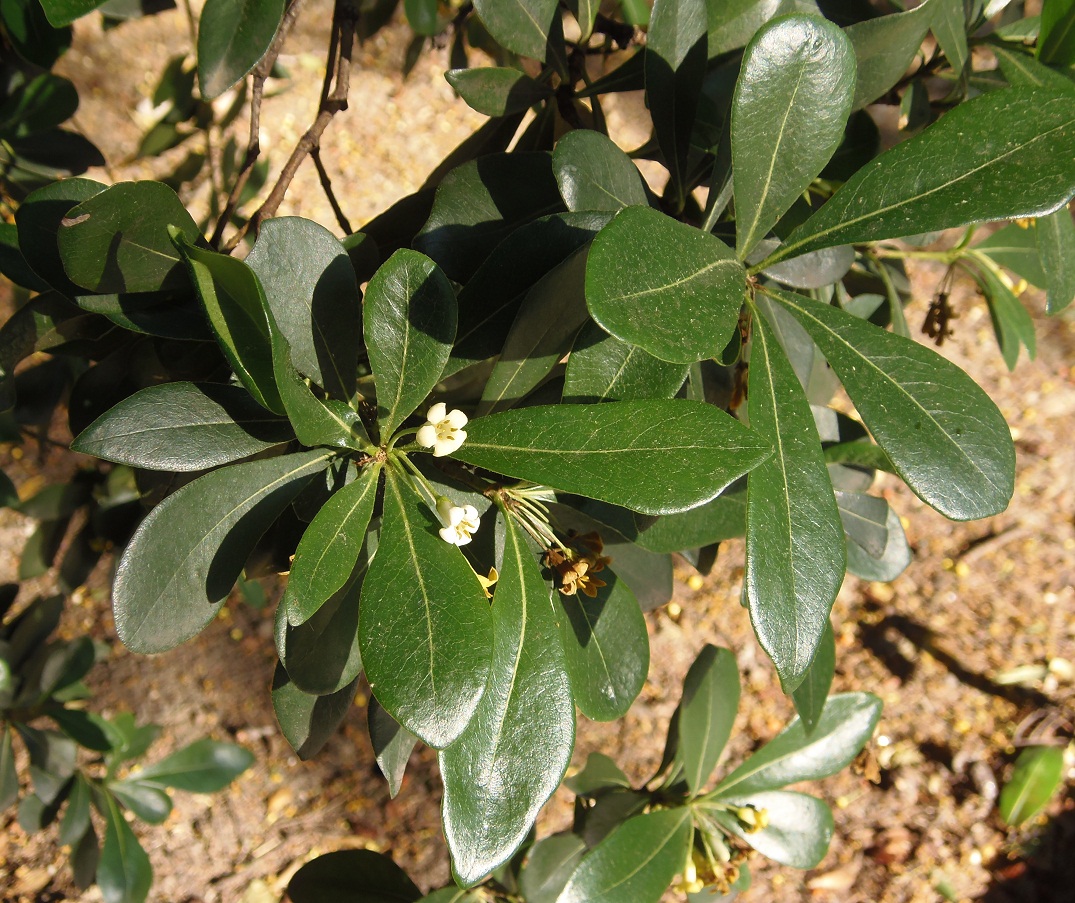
460, 523
443, 430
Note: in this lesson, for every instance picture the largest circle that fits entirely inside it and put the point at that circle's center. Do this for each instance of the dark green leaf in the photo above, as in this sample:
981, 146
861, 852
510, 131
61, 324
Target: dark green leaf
64, 12
12, 263
1056, 246
960, 170
846, 724
523, 732
204, 766
732, 23
602, 368
799, 827
52, 762
814, 270
635, 862
307, 721
28, 632
892, 561
409, 319
706, 714
809, 697
667, 287
1021, 70
1038, 772
118, 240
600, 773
864, 520
76, 817
42, 102
791, 104
183, 426
885, 48
85, 857
722, 518
352, 876
87, 729
522, 26
124, 874
9, 777
943, 434
795, 545
1012, 324
184, 558
452, 894
949, 26
1016, 247
313, 293
606, 647
422, 16
233, 36
425, 626
550, 864
392, 744
149, 803
330, 547
497, 92
39, 218
1057, 42
594, 174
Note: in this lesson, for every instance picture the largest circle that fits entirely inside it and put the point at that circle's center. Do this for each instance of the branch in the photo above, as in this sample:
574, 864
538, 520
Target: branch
326, 184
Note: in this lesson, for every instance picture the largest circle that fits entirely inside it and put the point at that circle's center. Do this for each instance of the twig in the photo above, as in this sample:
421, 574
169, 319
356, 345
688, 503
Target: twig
333, 100
326, 184
253, 148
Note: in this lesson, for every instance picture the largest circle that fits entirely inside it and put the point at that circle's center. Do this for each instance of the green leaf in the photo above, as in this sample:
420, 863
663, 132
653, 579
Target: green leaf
425, 625
676, 58
1055, 235
185, 556
313, 294
635, 862
1012, 324
602, 368
233, 35
9, 777
653, 456
38, 219
809, 697
37, 103
722, 518
422, 16
606, 648
238, 312
799, 829
452, 894
549, 865
1056, 44
846, 724
669, 288
885, 48
522, 26
943, 434
52, 762
124, 874
1021, 70
706, 714
181, 427
351, 876
594, 174
76, 817
330, 547
392, 744
949, 26
892, 561
1038, 772
151, 804
523, 732
85, 856
960, 170
118, 240
732, 23
64, 12
308, 721
600, 773
1016, 248
790, 108
795, 543
409, 319
204, 766
497, 91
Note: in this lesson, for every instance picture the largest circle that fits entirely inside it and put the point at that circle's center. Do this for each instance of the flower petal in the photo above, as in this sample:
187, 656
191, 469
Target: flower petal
457, 419
436, 413
427, 435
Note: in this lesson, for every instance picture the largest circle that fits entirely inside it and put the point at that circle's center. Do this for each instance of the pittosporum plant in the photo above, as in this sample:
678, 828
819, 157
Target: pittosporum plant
558, 374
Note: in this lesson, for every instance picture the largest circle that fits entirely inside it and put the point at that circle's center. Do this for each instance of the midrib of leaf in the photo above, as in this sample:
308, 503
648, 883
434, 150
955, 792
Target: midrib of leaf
895, 385
141, 247
724, 261
1017, 61
657, 850
786, 251
389, 420
1068, 25
623, 366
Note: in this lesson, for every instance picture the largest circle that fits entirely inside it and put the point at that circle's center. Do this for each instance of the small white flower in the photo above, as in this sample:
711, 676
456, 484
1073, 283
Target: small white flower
443, 430
460, 523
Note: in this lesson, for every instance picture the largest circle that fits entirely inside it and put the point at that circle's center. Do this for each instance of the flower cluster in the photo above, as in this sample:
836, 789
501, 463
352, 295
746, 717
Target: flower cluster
460, 522
443, 430
577, 563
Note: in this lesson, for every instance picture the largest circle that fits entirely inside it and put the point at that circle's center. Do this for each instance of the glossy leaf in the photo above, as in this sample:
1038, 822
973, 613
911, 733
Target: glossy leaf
885, 48
943, 434
960, 170
892, 561
846, 724
233, 35
1038, 772
313, 294
795, 544
308, 721
602, 368
330, 547
118, 240
516, 748
185, 556
549, 865
635, 862
351, 876
409, 318
1021, 70
1055, 235
392, 744
124, 874
64, 12
150, 804
791, 104
652, 456
497, 91
722, 518
594, 174
1056, 44
606, 648
799, 827
949, 26
809, 697
1016, 248
1012, 324
204, 766
600, 774
706, 714
183, 426
673, 290
732, 23
521, 26
425, 625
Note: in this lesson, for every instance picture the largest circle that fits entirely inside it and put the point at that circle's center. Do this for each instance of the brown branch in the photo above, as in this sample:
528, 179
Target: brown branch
326, 184
333, 100
253, 147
